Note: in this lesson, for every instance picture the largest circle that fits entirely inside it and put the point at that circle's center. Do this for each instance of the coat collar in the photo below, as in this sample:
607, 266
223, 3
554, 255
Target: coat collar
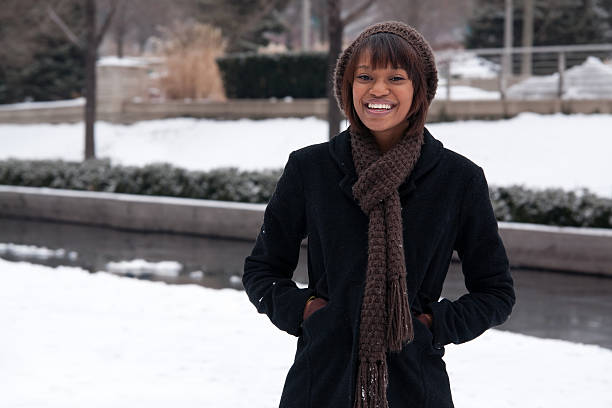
340, 150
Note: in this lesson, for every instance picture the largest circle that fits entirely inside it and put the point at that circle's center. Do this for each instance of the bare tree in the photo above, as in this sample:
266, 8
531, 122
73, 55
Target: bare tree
93, 38
441, 22
335, 26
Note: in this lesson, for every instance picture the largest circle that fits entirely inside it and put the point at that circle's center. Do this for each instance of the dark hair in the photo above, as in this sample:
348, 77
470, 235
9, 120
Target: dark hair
387, 49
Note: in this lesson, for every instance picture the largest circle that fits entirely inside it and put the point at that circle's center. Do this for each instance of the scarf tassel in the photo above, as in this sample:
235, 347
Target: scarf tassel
371, 389
399, 329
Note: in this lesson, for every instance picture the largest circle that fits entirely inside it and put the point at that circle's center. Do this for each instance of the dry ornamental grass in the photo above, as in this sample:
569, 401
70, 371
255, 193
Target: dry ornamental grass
189, 51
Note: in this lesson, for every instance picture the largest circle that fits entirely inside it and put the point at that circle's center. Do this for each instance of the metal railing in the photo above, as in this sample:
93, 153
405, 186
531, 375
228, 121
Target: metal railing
543, 72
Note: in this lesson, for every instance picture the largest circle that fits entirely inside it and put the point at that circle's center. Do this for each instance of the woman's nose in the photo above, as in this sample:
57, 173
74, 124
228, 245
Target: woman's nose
379, 87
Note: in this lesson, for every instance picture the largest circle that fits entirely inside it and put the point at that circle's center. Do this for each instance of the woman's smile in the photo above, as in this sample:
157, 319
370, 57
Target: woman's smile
375, 107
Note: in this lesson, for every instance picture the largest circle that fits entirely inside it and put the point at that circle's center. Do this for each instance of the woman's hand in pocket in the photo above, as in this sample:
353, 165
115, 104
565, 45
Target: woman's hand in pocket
426, 319
312, 306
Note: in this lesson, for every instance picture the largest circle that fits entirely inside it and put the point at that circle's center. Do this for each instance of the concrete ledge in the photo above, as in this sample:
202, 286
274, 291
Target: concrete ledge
440, 110
584, 250
558, 248
134, 212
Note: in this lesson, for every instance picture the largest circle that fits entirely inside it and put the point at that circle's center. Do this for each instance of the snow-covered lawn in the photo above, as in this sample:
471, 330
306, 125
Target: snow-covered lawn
567, 151
74, 339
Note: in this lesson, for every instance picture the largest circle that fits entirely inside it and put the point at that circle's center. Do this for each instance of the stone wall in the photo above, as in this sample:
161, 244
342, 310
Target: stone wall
581, 250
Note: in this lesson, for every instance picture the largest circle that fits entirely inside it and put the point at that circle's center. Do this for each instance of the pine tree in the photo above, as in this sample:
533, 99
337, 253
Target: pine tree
243, 22
558, 22
36, 61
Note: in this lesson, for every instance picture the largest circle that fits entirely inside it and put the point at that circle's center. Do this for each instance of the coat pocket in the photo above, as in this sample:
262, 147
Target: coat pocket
435, 378
329, 348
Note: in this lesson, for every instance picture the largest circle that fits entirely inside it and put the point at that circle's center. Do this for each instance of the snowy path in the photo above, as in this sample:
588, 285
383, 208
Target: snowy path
73, 339
567, 151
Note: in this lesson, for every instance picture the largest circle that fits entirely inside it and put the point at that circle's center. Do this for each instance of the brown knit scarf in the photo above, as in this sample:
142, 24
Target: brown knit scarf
386, 322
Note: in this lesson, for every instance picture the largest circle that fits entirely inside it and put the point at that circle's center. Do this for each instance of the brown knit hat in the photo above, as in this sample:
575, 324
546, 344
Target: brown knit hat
400, 29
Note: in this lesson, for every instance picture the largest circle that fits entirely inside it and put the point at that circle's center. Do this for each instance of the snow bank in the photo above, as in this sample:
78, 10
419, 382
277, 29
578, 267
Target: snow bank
462, 92
590, 80
35, 252
112, 61
139, 267
468, 65
42, 105
74, 339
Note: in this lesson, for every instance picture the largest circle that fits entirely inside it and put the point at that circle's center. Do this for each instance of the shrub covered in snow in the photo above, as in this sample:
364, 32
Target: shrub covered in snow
227, 184
551, 207
514, 203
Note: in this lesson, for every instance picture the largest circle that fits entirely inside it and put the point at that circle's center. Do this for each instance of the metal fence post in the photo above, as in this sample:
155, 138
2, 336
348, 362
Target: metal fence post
448, 80
561, 68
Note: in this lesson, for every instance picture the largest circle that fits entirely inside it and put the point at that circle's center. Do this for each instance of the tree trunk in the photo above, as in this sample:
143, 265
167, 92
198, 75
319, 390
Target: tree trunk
90, 79
527, 37
120, 28
335, 29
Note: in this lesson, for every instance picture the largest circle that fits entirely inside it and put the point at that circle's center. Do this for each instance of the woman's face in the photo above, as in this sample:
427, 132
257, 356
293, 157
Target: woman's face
382, 98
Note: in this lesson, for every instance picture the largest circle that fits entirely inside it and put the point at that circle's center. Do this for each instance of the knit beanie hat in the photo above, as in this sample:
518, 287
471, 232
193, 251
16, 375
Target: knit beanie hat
412, 36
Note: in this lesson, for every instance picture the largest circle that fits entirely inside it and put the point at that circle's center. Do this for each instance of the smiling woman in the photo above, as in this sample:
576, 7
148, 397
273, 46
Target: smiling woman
385, 90
383, 205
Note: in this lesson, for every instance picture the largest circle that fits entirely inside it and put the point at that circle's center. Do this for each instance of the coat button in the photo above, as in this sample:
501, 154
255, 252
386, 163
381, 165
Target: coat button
437, 346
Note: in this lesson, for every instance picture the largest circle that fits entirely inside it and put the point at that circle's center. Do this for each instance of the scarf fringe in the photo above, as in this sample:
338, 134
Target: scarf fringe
399, 329
371, 387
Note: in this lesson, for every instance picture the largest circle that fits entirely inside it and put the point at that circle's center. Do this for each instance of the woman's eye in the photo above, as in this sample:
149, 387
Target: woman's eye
363, 77
397, 78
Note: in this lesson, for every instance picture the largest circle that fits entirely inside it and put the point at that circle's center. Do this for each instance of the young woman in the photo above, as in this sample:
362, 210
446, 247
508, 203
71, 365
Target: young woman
383, 205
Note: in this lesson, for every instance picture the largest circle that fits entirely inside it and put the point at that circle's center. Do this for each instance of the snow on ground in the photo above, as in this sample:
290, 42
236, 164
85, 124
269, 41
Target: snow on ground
137, 267
567, 151
189, 143
35, 252
114, 61
462, 92
74, 339
468, 65
590, 80
43, 105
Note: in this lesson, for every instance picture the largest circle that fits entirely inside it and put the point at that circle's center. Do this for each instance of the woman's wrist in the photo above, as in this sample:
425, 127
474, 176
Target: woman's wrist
312, 305
426, 319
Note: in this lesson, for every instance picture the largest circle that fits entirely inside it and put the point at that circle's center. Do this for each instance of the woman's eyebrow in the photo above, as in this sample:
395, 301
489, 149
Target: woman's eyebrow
364, 66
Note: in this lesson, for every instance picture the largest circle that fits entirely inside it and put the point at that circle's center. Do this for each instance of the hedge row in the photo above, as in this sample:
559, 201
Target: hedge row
517, 204
274, 75
227, 184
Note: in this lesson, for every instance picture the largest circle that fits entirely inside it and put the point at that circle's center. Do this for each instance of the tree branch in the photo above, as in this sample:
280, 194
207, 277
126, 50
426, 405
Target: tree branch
58, 20
256, 19
357, 12
106, 23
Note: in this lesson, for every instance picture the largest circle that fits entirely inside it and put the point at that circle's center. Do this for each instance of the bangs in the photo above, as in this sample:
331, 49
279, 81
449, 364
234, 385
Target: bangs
389, 50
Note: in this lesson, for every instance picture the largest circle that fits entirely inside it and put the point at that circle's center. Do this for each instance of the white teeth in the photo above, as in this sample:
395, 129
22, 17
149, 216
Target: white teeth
379, 106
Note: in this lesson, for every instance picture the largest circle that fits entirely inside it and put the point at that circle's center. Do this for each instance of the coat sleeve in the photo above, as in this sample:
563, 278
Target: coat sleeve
268, 271
490, 296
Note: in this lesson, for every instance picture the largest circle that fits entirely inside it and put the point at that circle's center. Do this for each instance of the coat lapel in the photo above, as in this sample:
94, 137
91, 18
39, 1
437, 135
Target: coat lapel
340, 150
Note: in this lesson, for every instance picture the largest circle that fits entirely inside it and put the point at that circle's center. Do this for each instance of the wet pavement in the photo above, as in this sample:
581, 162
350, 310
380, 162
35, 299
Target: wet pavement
571, 307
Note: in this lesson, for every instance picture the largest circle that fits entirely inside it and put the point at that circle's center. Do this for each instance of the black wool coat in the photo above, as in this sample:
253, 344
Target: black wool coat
445, 207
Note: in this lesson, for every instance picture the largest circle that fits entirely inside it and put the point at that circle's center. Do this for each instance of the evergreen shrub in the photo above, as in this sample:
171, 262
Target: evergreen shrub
515, 203
254, 76
226, 184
